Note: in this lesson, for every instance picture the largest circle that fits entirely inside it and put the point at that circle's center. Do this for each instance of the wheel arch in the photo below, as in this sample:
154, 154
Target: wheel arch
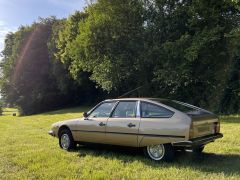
62, 128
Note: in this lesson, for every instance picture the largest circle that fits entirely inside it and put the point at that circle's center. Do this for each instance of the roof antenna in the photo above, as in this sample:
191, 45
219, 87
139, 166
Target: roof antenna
130, 91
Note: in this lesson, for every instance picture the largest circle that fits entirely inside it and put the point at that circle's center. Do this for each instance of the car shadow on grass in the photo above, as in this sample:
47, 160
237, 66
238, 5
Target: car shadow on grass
206, 162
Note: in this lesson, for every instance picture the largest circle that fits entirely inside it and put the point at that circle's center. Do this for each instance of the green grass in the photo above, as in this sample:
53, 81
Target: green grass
28, 152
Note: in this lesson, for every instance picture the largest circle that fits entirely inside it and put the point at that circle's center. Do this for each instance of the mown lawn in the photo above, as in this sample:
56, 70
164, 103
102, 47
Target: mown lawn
28, 152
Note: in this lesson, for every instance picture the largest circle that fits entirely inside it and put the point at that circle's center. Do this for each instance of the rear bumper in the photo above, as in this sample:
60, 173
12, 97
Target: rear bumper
51, 133
198, 141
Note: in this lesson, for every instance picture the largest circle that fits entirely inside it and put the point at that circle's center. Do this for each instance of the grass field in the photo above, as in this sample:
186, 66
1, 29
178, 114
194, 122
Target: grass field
28, 152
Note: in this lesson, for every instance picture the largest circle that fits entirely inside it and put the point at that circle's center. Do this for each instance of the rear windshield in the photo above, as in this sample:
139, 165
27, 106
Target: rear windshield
182, 107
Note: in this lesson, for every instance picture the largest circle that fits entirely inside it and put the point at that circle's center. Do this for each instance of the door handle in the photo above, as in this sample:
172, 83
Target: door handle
131, 125
102, 124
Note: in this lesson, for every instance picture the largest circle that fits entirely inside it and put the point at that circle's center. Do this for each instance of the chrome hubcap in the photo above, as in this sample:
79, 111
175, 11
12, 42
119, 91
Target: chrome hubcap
65, 141
156, 152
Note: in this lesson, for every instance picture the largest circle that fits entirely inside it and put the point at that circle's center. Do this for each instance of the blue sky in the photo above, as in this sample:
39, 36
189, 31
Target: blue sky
14, 13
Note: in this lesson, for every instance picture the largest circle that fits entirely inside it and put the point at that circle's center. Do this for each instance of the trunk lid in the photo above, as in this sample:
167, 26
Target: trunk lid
203, 124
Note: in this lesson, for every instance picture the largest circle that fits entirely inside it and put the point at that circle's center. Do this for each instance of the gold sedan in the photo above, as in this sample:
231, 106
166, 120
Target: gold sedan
159, 126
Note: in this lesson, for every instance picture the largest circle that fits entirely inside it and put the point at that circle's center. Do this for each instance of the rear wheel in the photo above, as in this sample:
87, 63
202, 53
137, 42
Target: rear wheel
160, 152
66, 141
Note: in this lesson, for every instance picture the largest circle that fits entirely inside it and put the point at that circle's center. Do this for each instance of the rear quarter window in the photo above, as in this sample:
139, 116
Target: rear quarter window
183, 107
149, 110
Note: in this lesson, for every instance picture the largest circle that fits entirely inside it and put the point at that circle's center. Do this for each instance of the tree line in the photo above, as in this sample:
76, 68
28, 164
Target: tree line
178, 49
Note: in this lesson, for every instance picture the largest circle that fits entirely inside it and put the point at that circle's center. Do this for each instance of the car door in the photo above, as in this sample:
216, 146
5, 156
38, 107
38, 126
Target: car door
122, 126
156, 126
92, 128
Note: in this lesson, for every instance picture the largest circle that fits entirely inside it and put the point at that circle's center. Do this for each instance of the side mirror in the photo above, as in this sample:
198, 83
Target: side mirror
85, 115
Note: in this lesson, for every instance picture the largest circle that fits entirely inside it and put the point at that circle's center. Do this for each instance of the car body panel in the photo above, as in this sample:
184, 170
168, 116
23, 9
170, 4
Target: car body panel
203, 124
67, 123
89, 130
119, 133
180, 127
162, 130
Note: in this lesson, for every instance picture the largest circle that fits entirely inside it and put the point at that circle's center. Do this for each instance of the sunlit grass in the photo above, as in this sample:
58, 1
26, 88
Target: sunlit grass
9, 112
28, 152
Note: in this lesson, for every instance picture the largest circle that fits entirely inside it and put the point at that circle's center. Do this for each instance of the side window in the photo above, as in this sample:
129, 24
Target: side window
125, 109
149, 110
103, 110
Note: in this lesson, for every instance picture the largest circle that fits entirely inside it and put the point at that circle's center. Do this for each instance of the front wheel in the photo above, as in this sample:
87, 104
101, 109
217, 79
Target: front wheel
160, 152
66, 141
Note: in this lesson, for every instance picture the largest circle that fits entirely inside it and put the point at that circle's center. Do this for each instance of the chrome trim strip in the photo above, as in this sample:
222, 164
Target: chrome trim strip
151, 135
138, 114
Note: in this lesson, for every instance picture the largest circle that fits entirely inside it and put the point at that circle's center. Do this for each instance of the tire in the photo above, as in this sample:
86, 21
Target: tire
165, 152
198, 149
66, 141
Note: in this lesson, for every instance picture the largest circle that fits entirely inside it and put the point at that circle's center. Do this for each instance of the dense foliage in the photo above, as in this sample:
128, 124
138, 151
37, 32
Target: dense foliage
32, 79
180, 49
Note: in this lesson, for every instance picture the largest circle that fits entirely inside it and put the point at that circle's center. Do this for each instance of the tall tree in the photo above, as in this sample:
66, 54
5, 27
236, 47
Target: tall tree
193, 58
27, 81
109, 44
181, 49
78, 90
230, 101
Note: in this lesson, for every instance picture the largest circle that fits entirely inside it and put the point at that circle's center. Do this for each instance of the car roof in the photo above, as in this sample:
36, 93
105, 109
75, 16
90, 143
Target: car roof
137, 99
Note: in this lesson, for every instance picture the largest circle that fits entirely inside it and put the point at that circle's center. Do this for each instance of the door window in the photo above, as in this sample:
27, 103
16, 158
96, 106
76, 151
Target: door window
103, 110
149, 110
125, 109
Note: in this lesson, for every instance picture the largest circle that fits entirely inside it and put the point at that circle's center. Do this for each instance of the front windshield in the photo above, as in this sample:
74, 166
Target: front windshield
103, 110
